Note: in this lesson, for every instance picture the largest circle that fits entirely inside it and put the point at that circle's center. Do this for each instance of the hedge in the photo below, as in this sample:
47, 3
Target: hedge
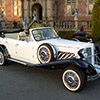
96, 21
66, 34
36, 25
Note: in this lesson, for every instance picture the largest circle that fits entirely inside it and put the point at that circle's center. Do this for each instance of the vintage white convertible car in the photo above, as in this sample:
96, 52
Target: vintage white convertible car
43, 48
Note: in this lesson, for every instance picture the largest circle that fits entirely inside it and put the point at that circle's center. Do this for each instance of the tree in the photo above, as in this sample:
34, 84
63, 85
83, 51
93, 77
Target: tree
96, 21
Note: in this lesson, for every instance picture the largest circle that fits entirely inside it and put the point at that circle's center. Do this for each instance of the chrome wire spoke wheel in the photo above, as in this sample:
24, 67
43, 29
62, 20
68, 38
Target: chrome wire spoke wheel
71, 80
44, 54
1, 58
74, 79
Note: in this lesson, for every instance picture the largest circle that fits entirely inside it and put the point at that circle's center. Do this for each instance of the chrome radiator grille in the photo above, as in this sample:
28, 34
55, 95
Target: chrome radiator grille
89, 52
65, 55
97, 58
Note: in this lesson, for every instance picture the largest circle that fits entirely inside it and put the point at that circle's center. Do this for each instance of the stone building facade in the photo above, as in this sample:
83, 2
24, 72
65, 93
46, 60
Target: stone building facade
66, 9
47, 9
18, 9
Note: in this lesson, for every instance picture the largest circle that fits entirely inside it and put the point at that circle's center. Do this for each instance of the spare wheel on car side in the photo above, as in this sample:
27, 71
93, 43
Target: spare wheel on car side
45, 53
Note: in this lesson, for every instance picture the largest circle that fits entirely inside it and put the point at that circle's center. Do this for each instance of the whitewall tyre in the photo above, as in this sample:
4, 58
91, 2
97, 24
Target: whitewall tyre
74, 79
45, 54
2, 59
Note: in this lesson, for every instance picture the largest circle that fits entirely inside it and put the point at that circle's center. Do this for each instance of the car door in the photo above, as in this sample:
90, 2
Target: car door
25, 51
11, 46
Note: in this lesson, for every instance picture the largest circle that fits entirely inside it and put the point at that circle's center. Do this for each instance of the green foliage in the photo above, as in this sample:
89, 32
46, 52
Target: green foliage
36, 25
66, 34
96, 21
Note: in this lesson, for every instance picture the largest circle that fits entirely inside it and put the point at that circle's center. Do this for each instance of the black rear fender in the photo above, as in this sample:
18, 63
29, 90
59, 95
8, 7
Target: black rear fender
4, 50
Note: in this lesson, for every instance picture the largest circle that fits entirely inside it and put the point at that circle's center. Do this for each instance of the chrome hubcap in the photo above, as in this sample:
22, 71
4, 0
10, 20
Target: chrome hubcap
71, 80
44, 54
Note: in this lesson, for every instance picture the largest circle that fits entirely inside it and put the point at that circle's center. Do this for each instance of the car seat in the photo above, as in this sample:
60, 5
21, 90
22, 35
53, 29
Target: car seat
22, 36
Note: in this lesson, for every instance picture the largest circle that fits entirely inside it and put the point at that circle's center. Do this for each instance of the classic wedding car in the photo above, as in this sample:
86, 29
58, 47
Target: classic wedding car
43, 48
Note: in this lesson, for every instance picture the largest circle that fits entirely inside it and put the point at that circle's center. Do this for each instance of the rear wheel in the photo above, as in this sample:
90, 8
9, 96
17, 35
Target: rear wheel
2, 59
74, 79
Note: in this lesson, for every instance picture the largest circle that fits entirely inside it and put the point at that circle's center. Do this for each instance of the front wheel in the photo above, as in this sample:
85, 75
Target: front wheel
74, 79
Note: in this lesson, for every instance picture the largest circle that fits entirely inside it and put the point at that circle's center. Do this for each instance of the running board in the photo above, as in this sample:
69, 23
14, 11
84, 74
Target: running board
17, 61
39, 66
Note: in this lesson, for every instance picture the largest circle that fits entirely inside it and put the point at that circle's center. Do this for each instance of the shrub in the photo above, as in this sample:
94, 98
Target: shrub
96, 21
35, 25
66, 34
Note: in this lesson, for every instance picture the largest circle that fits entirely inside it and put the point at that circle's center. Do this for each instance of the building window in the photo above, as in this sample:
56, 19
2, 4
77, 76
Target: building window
3, 7
17, 7
90, 6
71, 5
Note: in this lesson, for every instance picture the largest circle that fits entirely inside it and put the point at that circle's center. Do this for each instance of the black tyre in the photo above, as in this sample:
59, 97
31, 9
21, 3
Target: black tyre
74, 79
2, 59
45, 54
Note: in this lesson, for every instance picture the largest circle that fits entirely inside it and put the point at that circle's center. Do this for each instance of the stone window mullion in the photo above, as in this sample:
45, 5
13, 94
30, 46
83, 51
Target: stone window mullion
71, 4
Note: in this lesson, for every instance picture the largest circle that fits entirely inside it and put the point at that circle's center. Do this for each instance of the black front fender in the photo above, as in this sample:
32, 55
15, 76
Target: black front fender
90, 70
61, 64
80, 63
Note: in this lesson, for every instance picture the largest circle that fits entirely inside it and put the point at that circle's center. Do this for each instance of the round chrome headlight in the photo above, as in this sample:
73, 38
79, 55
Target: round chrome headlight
82, 53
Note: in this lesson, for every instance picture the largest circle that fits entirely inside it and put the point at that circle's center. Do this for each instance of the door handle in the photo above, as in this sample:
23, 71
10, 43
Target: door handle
17, 44
6, 41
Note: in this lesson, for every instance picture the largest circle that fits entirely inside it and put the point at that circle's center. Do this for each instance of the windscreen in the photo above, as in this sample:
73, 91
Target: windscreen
43, 34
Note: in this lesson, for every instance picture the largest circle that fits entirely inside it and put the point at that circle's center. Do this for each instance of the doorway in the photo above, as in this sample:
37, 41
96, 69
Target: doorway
38, 8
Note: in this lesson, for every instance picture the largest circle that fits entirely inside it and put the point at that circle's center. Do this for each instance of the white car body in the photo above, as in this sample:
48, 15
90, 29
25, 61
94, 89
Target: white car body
42, 46
27, 51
